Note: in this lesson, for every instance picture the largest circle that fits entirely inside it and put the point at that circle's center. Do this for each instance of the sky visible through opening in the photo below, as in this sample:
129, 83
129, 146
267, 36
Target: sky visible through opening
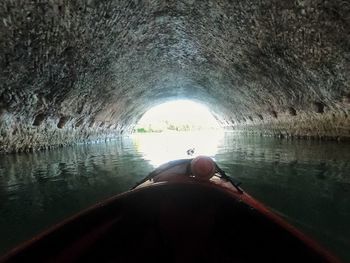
179, 115
177, 130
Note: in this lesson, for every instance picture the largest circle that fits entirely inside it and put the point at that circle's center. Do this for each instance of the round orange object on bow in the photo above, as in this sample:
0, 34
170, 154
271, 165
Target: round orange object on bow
203, 167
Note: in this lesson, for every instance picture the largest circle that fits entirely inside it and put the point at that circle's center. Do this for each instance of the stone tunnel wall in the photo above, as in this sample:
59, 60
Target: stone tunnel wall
80, 70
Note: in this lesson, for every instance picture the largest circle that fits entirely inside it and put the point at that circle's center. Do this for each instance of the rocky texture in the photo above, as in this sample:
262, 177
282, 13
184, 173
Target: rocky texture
75, 70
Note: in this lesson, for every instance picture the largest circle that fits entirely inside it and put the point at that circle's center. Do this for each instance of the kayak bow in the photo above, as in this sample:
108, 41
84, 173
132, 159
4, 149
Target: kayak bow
184, 211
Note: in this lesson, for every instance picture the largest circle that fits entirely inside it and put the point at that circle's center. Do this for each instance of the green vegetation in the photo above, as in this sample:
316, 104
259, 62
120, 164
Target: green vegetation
167, 126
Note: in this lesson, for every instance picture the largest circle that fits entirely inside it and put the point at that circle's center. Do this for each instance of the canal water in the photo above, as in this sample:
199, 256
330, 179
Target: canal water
307, 182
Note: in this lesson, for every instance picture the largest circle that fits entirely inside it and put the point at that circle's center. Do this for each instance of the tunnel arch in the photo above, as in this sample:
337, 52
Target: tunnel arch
134, 114
180, 111
100, 64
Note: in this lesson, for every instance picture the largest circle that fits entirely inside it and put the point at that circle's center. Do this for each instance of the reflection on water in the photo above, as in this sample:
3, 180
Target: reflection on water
307, 182
164, 147
39, 189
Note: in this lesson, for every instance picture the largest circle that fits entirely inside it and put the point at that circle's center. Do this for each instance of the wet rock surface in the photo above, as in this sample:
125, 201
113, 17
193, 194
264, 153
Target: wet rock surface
75, 71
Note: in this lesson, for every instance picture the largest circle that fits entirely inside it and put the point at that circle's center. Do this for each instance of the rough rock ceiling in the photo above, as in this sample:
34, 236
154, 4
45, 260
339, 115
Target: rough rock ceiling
76, 70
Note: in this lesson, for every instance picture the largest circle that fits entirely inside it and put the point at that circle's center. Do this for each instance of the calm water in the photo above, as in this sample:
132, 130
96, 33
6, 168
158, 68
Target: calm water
306, 182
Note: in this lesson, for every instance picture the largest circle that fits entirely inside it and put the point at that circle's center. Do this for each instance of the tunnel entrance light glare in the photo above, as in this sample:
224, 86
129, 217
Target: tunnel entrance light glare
177, 116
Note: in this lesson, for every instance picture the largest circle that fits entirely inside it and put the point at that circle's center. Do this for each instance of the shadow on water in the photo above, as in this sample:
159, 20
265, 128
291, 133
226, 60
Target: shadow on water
307, 182
40, 189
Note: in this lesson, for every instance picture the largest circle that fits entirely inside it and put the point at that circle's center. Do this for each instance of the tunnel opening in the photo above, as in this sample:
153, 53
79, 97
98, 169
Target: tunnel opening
177, 116
178, 129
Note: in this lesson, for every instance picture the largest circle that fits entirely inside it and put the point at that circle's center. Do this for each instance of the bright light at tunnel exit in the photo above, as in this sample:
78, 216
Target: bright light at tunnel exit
178, 115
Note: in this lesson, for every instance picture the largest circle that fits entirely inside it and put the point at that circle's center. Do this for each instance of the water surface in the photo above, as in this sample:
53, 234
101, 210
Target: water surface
307, 182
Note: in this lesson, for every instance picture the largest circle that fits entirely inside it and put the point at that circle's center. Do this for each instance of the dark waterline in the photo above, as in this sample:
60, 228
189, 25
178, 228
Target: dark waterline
306, 182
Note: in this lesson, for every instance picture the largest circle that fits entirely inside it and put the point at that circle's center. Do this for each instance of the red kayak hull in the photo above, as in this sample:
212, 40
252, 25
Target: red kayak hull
180, 220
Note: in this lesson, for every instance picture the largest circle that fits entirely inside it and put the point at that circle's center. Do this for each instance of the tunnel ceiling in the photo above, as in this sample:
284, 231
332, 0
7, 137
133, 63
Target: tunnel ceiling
76, 70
